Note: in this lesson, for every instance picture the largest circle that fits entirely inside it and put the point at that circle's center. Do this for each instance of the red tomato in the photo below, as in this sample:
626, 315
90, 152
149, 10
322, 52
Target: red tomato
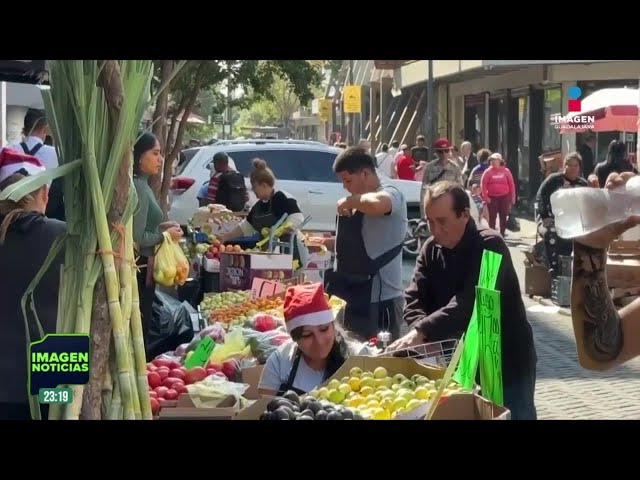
154, 379
171, 394
163, 373
161, 362
151, 367
180, 388
177, 373
155, 406
215, 366
174, 364
169, 381
153, 394
161, 391
211, 371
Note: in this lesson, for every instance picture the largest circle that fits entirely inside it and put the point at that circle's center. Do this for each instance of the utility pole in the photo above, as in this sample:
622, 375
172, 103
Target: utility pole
431, 108
351, 115
229, 109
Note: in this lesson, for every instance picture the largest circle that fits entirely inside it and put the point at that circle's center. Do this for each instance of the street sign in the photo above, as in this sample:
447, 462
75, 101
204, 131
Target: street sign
352, 99
217, 119
324, 109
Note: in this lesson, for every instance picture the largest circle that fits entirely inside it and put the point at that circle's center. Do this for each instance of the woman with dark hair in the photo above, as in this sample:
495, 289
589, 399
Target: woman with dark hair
26, 236
147, 221
272, 204
616, 162
317, 349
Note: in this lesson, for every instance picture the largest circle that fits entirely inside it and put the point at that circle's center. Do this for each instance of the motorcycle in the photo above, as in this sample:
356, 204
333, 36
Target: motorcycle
417, 234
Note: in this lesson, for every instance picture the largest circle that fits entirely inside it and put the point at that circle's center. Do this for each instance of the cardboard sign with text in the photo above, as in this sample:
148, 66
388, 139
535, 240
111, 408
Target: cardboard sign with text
261, 288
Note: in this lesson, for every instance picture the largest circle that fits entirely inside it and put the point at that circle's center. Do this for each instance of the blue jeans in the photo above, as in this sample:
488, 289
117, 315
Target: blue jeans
519, 397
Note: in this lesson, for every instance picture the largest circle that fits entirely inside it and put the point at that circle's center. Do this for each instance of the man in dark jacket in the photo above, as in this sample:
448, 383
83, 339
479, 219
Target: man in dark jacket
441, 295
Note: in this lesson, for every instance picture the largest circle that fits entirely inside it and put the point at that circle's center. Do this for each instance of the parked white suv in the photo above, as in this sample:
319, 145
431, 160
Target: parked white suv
303, 169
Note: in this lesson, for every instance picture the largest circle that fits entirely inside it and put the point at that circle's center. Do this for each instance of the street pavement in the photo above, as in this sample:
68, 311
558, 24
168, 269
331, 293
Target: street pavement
564, 390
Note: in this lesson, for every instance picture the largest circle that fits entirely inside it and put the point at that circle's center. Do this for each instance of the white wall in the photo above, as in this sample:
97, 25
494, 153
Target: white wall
15, 123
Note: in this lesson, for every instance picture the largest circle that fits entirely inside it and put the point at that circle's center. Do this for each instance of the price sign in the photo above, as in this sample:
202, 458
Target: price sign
261, 288
201, 354
489, 330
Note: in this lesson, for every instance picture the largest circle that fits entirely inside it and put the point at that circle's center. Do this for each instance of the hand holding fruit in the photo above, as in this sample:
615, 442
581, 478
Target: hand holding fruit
176, 233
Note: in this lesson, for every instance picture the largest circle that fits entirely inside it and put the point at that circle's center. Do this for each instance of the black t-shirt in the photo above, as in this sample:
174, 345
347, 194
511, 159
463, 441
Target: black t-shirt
604, 169
420, 154
278, 205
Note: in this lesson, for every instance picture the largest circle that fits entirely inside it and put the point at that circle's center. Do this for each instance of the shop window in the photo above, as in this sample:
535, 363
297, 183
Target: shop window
551, 139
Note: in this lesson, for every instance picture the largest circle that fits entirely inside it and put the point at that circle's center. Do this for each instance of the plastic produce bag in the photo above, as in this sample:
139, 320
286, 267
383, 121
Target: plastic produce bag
170, 267
264, 344
170, 325
234, 346
211, 391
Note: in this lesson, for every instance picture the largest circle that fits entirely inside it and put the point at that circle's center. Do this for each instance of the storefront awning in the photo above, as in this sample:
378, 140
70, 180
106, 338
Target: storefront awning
24, 71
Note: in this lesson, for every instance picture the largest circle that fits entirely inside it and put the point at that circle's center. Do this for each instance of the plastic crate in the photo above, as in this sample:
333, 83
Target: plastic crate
561, 291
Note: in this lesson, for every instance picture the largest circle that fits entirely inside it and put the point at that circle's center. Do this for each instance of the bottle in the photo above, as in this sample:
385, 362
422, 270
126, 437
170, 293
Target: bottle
580, 211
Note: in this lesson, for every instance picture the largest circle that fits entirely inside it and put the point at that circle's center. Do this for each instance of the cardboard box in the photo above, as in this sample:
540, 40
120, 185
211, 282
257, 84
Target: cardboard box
214, 223
460, 406
537, 281
623, 271
186, 410
237, 270
463, 406
251, 376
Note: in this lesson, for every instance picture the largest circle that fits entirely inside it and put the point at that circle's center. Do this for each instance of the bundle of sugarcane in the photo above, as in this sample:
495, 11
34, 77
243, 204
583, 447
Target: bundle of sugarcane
95, 108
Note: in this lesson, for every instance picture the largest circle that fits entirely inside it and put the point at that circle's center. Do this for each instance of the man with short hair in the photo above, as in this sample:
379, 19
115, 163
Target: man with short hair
420, 153
393, 150
36, 130
442, 168
226, 186
371, 228
441, 296
384, 161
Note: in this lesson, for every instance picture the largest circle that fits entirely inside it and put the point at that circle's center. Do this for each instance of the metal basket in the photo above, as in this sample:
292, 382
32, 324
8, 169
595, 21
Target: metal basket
434, 353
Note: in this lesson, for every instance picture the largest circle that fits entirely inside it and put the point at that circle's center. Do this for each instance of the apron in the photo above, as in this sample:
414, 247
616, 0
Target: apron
288, 385
268, 220
355, 272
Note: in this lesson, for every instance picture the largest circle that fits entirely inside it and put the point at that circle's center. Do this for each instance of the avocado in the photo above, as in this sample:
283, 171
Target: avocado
288, 411
335, 416
277, 403
267, 416
304, 417
308, 413
357, 416
315, 406
347, 414
308, 399
292, 397
321, 415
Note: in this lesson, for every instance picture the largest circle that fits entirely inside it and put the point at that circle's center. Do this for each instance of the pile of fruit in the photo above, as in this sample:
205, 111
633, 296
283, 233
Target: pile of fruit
291, 407
240, 313
378, 396
218, 301
168, 379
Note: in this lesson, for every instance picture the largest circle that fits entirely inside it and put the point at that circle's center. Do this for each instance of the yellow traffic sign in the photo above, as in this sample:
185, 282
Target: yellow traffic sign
352, 98
324, 109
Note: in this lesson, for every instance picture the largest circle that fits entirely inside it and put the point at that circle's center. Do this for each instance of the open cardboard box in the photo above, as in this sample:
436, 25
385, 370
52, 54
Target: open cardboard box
251, 376
186, 410
467, 406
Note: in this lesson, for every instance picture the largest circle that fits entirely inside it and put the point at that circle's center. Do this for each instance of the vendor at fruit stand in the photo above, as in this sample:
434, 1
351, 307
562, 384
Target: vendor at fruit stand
26, 236
441, 296
317, 349
372, 223
147, 221
272, 204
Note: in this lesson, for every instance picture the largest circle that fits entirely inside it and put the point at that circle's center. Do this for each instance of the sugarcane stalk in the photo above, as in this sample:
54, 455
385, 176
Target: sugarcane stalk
137, 338
115, 412
111, 281
107, 393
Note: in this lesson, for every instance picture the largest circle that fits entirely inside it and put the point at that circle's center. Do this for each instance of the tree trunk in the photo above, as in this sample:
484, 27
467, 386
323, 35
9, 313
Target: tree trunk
159, 128
111, 82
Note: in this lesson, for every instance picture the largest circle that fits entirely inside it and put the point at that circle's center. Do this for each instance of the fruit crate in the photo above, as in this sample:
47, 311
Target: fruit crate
561, 291
433, 353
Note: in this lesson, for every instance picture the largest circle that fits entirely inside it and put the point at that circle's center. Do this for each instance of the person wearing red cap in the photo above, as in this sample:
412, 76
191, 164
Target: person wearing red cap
317, 349
443, 167
26, 236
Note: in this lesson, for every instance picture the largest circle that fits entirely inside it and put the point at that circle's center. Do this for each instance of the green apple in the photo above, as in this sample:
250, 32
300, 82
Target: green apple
399, 378
380, 372
408, 384
333, 384
399, 403
415, 403
355, 372
336, 396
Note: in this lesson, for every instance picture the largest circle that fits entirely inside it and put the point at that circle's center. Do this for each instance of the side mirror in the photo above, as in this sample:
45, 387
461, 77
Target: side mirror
209, 165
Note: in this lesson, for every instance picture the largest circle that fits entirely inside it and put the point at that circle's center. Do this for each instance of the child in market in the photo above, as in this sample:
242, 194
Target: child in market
476, 195
318, 346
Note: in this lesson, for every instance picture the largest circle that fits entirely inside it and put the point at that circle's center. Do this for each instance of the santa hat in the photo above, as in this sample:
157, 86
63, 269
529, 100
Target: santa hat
12, 161
306, 305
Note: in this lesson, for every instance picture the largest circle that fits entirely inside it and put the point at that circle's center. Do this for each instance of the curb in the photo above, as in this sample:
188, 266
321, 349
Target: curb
548, 303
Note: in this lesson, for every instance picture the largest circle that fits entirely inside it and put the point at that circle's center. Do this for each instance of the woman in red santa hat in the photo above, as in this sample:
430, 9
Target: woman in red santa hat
26, 236
317, 349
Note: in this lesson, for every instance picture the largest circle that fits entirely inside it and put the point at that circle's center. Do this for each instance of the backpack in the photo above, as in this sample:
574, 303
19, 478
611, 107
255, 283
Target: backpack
232, 191
55, 205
